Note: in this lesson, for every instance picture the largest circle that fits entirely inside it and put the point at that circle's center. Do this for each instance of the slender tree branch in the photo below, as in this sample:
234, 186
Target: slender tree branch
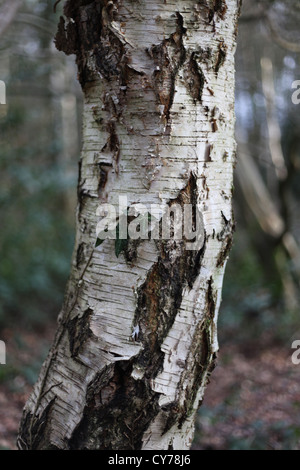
55, 5
262, 13
272, 120
8, 11
259, 14
282, 42
36, 22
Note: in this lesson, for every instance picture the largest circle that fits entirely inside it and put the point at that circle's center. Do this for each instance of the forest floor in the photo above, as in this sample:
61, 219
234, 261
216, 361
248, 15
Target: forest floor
252, 401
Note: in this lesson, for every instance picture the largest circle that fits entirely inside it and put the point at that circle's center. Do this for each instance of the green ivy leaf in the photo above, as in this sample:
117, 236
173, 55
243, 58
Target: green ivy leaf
120, 245
99, 242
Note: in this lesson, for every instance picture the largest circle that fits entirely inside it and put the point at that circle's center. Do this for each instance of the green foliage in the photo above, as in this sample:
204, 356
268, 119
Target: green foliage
251, 302
121, 245
258, 435
36, 236
37, 228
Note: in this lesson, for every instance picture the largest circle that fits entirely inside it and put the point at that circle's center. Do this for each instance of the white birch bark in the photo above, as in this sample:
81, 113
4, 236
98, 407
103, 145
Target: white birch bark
158, 128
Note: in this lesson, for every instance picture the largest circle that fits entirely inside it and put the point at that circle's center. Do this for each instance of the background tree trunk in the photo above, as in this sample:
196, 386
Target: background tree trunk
158, 82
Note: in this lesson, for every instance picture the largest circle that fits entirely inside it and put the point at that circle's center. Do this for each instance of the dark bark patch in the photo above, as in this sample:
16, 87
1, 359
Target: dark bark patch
214, 7
168, 57
97, 116
103, 176
86, 31
214, 125
195, 78
210, 8
80, 188
220, 7
79, 255
79, 332
113, 141
228, 228
66, 37
117, 413
226, 237
110, 56
225, 156
215, 117
208, 151
113, 144
35, 433
226, 248
210, 301
221, 57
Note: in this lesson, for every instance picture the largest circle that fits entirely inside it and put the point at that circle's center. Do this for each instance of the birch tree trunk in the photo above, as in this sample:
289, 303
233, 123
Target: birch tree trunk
137, 338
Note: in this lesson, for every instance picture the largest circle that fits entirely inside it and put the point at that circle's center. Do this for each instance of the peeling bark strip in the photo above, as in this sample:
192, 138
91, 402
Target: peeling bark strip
137, 338
79, 331
221, 57
86, 33
220, 8
195, 78
168, 57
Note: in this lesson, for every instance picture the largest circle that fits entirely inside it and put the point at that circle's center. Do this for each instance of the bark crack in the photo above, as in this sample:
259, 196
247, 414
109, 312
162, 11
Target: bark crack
195, 78
168, 57
87, 33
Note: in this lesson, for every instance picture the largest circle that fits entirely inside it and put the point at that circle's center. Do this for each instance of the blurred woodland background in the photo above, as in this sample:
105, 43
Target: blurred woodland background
253, 400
